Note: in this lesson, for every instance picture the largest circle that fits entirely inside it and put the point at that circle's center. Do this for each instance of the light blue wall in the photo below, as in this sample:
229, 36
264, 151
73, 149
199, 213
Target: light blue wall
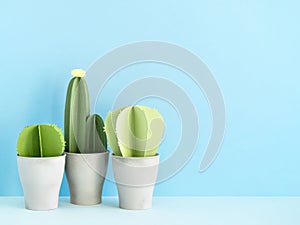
252, 47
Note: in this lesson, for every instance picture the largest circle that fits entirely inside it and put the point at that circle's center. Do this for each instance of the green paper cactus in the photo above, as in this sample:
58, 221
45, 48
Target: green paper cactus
43, 140
134, 131
96, 136
84, 133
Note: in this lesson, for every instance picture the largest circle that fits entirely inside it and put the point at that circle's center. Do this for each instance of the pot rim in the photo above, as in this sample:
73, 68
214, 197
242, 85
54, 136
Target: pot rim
39, 158
135, 158
86, 154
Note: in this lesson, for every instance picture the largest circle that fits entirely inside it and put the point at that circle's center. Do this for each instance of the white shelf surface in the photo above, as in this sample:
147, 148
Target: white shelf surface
166, 210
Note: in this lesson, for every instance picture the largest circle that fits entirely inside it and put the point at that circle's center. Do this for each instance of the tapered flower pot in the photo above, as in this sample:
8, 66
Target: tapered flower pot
86, 174
41, 180
135, 178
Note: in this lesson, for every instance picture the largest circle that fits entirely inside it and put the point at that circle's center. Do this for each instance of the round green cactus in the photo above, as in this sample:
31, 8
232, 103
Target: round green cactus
134, 131
45, 140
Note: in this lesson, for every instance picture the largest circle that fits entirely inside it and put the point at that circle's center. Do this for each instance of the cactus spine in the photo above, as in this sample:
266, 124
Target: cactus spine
83, 132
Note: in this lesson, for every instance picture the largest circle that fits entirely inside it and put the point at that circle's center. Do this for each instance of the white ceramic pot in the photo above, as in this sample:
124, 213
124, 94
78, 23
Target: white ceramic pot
86, 174
135, 178
41, 180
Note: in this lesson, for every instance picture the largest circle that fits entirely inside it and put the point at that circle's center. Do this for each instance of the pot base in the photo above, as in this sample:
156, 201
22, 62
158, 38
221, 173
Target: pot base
135, 198
38, 204
85, 199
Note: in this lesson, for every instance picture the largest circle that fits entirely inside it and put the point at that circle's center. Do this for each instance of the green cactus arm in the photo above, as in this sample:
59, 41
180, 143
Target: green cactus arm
110, 129
44, 140
77, 110
100, 130
97, 141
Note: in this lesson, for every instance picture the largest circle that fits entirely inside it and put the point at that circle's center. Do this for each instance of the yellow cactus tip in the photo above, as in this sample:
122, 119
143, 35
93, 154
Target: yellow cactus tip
78, 73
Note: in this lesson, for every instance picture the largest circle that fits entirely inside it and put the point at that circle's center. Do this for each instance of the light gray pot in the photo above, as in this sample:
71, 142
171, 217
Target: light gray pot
41, 180
86, 174
135, 178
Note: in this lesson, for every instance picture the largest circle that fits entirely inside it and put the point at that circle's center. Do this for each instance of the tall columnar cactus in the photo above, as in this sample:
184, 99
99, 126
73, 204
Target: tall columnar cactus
83, 132
134, 131
44, 140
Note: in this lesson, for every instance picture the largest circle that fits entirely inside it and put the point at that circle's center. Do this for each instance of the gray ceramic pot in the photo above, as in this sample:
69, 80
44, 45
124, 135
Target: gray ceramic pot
86, 174
135, 178
41, 180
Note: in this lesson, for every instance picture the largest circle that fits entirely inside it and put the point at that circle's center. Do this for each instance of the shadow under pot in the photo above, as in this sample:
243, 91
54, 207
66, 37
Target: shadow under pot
86, 174
41, 180
135, 178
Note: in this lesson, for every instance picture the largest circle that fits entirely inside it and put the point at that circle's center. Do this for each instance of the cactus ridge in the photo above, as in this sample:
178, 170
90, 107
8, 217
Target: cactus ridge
43, 140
